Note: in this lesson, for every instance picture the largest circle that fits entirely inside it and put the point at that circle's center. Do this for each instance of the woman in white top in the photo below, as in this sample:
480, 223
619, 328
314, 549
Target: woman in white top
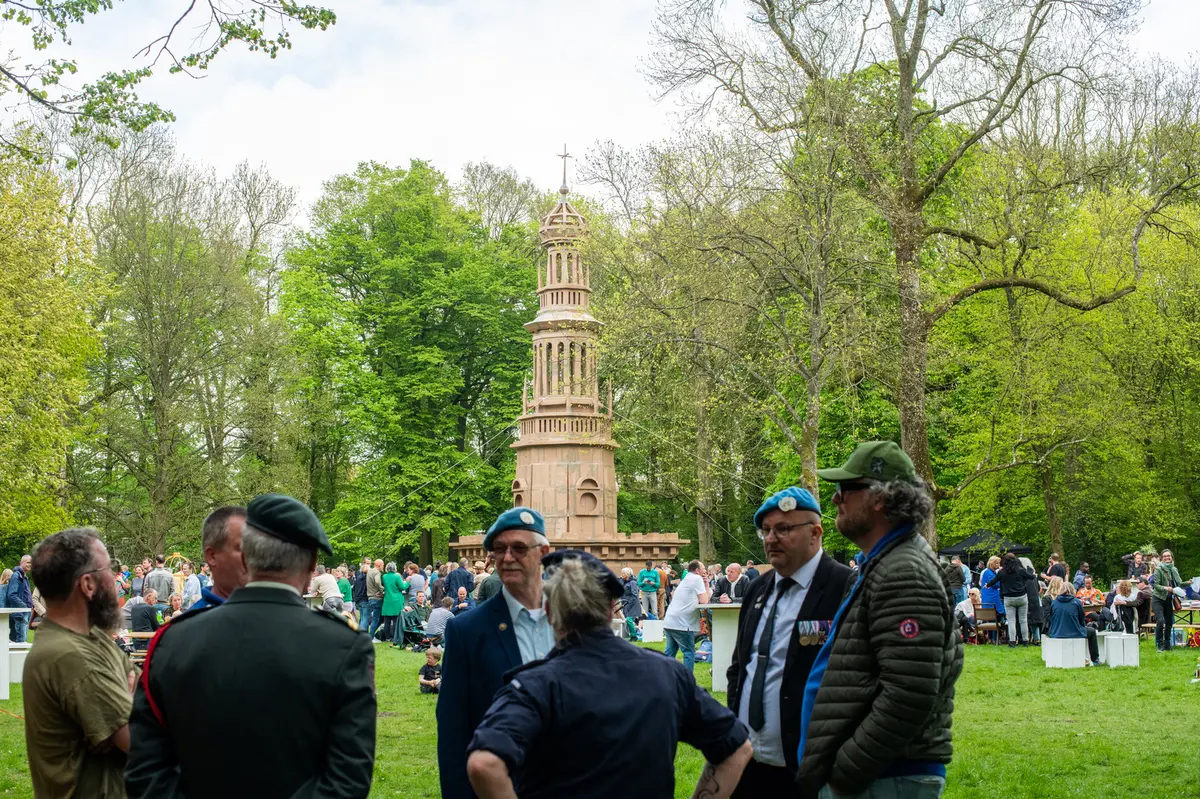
964, 612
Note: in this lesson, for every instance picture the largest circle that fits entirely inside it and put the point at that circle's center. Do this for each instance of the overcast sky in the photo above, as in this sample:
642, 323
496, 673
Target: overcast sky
449, 81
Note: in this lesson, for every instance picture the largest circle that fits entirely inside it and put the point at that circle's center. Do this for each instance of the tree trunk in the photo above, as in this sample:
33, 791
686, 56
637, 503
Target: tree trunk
1046, 473
914, 343
809, 434
704, 503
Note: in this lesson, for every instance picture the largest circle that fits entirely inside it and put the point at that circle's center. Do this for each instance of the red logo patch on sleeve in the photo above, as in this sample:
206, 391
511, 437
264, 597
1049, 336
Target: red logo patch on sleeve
909, 628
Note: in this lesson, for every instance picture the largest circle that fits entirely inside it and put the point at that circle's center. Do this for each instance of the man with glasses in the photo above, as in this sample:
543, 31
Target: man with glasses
500, 634
875, 720
784, 619
78, 684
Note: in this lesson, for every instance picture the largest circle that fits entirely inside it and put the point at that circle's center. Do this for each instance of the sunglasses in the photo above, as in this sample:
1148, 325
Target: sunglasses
846, 488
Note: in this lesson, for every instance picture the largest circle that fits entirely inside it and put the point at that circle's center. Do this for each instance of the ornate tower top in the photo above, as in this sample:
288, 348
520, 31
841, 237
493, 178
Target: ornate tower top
563, 225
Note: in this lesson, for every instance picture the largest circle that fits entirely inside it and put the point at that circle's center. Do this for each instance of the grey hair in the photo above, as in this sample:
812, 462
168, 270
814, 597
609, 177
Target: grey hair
266, 553
575, 600
903, 501
391, 567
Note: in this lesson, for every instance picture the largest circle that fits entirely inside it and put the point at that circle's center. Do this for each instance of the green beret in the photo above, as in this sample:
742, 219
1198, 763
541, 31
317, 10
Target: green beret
288, 519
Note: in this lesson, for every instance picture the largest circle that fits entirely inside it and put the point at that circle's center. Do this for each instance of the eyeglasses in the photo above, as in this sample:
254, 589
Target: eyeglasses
781, 530
93, 571
518, 551
845, 488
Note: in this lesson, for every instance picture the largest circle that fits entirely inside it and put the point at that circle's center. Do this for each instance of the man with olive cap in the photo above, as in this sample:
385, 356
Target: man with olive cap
879, 698
785, 617
482, 645
260, 696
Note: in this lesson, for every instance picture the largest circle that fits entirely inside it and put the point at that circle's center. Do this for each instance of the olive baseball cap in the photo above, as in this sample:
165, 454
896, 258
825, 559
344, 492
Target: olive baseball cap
876, 460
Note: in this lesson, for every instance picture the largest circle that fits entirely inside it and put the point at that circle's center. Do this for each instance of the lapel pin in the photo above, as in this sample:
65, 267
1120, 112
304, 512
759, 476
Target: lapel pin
503, 626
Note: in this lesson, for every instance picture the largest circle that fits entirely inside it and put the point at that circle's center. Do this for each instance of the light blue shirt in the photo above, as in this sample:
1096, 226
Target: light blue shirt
768, 742
535, 636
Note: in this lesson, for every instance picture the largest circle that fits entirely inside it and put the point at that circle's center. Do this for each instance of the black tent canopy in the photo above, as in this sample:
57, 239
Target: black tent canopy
983, 543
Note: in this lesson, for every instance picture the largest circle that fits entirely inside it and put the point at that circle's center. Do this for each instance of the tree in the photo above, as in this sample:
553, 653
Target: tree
46, 287
111, 100
955, 78
417, 315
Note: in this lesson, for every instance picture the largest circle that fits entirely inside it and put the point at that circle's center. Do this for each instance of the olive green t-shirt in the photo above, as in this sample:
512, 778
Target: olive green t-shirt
76, 693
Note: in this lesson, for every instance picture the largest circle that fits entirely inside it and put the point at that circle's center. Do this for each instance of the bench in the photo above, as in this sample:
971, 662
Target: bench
139, 657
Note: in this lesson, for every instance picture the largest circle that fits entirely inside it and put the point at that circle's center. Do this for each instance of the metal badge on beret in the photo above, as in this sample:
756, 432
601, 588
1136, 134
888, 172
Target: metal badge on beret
787, 504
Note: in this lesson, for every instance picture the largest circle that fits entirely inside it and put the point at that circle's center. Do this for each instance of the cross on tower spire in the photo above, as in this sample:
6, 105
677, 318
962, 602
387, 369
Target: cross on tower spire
564, 155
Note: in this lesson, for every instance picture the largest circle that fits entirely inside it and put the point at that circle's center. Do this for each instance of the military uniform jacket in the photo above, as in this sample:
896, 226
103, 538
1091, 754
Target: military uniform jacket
820, 604
260, 697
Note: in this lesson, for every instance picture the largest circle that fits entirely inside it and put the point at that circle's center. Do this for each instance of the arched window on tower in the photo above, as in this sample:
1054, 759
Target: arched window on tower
561, 358
559, 269
583, 370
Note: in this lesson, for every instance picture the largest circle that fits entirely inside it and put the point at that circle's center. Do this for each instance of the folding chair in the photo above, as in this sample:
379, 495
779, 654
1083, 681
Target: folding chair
985, 622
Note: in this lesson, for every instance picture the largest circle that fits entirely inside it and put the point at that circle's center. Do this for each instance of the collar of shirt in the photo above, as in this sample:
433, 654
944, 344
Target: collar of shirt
515, 607
804, 575
273, 584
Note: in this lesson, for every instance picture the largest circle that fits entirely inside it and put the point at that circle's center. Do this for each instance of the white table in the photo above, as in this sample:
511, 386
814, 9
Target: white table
4, 649
724, 639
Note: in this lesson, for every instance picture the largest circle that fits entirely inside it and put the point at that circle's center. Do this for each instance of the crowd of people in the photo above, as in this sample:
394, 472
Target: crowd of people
1029, 603
841, 681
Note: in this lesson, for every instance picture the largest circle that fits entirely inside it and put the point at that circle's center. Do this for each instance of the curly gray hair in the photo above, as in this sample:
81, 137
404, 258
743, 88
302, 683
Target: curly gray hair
903, 501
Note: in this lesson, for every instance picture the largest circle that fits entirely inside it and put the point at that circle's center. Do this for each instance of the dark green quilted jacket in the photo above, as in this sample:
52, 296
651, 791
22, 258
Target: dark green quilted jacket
888, 692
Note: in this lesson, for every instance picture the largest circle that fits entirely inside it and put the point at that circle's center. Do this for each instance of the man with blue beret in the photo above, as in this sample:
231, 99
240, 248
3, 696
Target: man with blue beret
785, 617
258, 696
483, 644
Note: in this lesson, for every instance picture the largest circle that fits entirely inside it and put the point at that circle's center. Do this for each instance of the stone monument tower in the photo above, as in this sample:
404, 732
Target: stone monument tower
565, 444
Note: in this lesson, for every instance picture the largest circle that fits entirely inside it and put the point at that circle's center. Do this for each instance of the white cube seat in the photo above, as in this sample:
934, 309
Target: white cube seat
652, 630
1064, 653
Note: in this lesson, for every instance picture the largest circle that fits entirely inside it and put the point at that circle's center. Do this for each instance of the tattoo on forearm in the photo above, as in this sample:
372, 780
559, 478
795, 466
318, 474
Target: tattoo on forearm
707, 787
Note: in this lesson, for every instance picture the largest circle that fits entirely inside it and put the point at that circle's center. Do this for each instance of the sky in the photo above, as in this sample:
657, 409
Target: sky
447, 81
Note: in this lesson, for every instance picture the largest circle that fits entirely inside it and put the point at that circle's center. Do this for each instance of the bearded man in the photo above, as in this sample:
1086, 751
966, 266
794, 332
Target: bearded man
78, 684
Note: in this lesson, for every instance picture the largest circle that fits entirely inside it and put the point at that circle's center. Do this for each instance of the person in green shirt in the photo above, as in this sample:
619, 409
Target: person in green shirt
344, 585
1166, 580
394, 589
648, 582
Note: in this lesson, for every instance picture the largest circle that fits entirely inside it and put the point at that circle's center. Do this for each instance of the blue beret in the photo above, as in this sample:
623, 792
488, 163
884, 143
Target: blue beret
518, 518
288, 519
791, 498
608, 581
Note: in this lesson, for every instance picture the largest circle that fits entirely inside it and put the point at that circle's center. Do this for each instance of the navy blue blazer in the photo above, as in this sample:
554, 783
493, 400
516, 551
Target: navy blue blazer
480, 647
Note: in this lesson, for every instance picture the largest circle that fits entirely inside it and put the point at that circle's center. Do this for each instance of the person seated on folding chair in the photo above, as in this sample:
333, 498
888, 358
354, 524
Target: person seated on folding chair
436, 625
964, 613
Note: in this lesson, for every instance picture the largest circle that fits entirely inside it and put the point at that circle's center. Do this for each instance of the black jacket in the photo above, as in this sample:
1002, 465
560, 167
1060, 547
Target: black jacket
721, 586
358, 591
257, 697
570, 725
820, 604
1012, 583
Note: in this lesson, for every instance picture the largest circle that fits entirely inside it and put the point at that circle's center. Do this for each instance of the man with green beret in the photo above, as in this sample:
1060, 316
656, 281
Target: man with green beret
259, 696
877, 704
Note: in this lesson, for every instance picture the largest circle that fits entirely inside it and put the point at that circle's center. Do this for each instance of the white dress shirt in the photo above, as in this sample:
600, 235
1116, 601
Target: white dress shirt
768, 742
535, 636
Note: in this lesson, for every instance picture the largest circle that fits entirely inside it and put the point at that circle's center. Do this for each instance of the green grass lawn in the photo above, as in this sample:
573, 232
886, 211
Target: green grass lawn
1020, 730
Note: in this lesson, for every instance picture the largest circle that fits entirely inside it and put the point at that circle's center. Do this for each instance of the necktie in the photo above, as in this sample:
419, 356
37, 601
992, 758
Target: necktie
764, 654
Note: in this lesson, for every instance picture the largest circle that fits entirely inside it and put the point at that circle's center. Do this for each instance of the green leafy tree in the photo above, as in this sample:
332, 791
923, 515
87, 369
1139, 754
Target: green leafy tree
110, 101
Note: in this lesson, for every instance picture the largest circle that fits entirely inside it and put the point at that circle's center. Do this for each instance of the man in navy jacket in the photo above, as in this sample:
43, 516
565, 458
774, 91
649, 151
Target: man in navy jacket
500, 634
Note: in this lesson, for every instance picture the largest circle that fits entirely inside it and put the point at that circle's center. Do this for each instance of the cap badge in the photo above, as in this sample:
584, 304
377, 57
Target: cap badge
787, 504
877, 465
526, 517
